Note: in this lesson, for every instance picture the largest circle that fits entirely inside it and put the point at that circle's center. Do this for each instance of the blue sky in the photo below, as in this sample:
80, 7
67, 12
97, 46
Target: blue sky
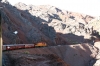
90, 7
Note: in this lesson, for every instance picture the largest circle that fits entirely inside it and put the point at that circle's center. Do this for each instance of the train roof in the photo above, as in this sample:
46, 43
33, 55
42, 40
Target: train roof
16, 44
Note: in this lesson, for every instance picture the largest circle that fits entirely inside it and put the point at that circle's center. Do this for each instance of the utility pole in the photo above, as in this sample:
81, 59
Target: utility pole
0, 38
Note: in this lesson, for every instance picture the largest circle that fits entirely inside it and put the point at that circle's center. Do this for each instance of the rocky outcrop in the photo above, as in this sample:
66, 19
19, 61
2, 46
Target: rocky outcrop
95, 23
59, 19
97, 63
40, 23
97, 45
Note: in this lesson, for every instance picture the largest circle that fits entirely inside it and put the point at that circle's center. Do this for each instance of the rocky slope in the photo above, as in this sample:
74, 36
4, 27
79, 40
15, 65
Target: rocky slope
97, 45
43, 24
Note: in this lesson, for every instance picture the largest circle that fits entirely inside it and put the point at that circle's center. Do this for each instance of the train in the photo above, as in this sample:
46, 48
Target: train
22, 46
17, 46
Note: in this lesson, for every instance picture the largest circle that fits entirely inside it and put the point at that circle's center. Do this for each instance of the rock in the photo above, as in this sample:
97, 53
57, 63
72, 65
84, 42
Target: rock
97, 45
5, 1
97, 63
48, 31
21, 5
98, 55
5, 60
91, 62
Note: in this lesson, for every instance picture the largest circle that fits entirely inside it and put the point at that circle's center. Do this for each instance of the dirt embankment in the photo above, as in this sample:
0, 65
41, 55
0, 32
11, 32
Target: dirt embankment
73, 55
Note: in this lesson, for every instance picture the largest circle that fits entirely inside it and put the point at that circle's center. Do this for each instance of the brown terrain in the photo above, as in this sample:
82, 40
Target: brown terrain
68, 55
67, 36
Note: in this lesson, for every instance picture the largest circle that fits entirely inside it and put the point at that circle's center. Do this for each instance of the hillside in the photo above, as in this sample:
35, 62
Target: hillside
42, 24
72, 55
68, 35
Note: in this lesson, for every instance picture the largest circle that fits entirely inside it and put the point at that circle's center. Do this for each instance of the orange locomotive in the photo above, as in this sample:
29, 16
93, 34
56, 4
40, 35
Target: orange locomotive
41, 44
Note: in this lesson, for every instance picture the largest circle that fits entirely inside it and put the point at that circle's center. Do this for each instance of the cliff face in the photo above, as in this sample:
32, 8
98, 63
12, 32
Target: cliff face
41, 24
